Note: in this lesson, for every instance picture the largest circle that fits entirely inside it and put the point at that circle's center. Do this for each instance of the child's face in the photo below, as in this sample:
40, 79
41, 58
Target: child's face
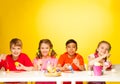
103, 48
15, 50
45, 48
71, 48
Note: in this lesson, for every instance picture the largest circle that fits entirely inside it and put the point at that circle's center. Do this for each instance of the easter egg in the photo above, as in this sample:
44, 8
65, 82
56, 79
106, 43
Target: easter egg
17, 63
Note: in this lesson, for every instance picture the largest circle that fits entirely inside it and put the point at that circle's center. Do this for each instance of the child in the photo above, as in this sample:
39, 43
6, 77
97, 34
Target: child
101, 54
71, 58
16, 56
45, 55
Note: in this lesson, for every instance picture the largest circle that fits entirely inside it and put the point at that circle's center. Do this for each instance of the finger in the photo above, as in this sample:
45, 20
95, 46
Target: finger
17, 67
21, 64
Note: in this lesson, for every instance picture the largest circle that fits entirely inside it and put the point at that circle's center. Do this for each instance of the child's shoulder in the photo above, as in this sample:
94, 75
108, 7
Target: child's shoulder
77, 54
9, 55
53, 59
23, 55
64, 54
35, 60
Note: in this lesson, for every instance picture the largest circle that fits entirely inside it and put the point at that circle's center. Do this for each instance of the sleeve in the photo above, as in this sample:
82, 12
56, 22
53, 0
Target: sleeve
61, 60
1, 63
27, 61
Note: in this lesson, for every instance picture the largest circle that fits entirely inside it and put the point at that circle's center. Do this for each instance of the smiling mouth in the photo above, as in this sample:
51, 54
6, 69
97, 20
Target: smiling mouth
15, 53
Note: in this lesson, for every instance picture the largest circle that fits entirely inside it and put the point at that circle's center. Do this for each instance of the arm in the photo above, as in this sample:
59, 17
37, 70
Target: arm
60, 64
81, 67
92, 58
79, 63
35, 66
107, 65
2, 60
26, 68
26, 64
63, 68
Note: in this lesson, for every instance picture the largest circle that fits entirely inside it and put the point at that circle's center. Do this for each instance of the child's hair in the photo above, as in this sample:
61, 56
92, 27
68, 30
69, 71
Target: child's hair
106, 43
16, 42
71, 41
46, 41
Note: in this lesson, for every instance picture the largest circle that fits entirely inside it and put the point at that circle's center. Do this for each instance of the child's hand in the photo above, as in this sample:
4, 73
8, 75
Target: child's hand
3, 56
106, 54
39, 64
76, 62
20, 67
107, 65
59, 67
66, 67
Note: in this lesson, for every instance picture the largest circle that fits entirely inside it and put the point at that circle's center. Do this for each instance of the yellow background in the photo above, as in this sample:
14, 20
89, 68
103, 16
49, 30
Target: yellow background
86, 21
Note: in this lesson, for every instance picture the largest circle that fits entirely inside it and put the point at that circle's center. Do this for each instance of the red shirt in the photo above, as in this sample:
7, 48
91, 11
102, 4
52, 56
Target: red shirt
1, 63
9, 63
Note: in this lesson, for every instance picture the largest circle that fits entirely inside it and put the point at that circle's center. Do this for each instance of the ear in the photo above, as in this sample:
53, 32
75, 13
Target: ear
97, 49
66, 47
76, 48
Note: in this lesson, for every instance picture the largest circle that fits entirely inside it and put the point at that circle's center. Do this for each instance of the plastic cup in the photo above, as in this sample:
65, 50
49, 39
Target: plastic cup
97, 70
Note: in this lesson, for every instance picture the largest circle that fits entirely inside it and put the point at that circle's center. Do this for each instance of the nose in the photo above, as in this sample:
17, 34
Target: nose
104, 51
71, 48
15, 50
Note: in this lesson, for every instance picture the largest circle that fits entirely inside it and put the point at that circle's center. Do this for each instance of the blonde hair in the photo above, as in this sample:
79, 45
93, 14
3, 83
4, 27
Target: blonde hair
16, 42
104, 42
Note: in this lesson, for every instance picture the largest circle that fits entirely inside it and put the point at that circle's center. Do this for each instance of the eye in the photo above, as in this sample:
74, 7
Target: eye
102, 47
18, 48
13, 48
107, 49
68, 47
42, 47
47, 47
74, 46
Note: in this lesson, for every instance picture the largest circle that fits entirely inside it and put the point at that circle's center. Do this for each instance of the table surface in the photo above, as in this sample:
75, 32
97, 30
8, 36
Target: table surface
113, 76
